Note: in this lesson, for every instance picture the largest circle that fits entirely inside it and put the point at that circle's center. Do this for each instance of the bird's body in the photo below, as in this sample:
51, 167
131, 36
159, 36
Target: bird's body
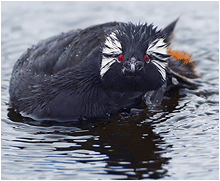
93, 72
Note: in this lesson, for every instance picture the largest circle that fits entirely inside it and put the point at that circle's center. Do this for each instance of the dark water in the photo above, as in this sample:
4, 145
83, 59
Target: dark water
179, 140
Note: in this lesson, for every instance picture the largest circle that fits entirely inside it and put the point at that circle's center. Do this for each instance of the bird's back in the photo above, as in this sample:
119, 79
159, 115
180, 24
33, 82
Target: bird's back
65, 50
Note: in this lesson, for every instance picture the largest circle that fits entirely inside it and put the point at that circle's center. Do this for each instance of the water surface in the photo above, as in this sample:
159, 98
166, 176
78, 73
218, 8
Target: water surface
178, 140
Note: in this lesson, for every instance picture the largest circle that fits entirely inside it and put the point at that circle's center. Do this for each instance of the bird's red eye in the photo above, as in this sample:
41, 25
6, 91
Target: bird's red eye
121, 58
146, 58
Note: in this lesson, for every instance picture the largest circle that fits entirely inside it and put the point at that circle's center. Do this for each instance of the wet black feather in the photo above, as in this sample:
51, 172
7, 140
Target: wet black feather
59, 78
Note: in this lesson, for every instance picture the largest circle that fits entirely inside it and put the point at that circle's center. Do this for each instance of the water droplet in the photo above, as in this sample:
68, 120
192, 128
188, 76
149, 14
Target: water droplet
96, 146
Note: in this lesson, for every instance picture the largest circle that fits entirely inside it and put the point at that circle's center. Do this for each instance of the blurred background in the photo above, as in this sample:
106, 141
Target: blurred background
178, 141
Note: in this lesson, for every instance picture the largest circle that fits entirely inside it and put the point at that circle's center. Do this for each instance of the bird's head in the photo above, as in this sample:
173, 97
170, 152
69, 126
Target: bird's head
134, 58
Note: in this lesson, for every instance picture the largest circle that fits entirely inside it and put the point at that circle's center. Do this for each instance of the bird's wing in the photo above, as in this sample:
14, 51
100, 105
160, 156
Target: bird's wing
83, 44
65, 50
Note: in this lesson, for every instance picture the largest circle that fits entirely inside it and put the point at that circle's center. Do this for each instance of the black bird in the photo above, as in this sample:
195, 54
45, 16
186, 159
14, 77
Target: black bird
95, 72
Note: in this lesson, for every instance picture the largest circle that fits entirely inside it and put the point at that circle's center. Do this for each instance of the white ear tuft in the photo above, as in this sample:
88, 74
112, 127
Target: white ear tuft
157, 46
111, 47
105, 64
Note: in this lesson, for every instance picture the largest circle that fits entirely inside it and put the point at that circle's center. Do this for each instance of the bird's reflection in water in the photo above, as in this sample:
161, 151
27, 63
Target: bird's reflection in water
131, 146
